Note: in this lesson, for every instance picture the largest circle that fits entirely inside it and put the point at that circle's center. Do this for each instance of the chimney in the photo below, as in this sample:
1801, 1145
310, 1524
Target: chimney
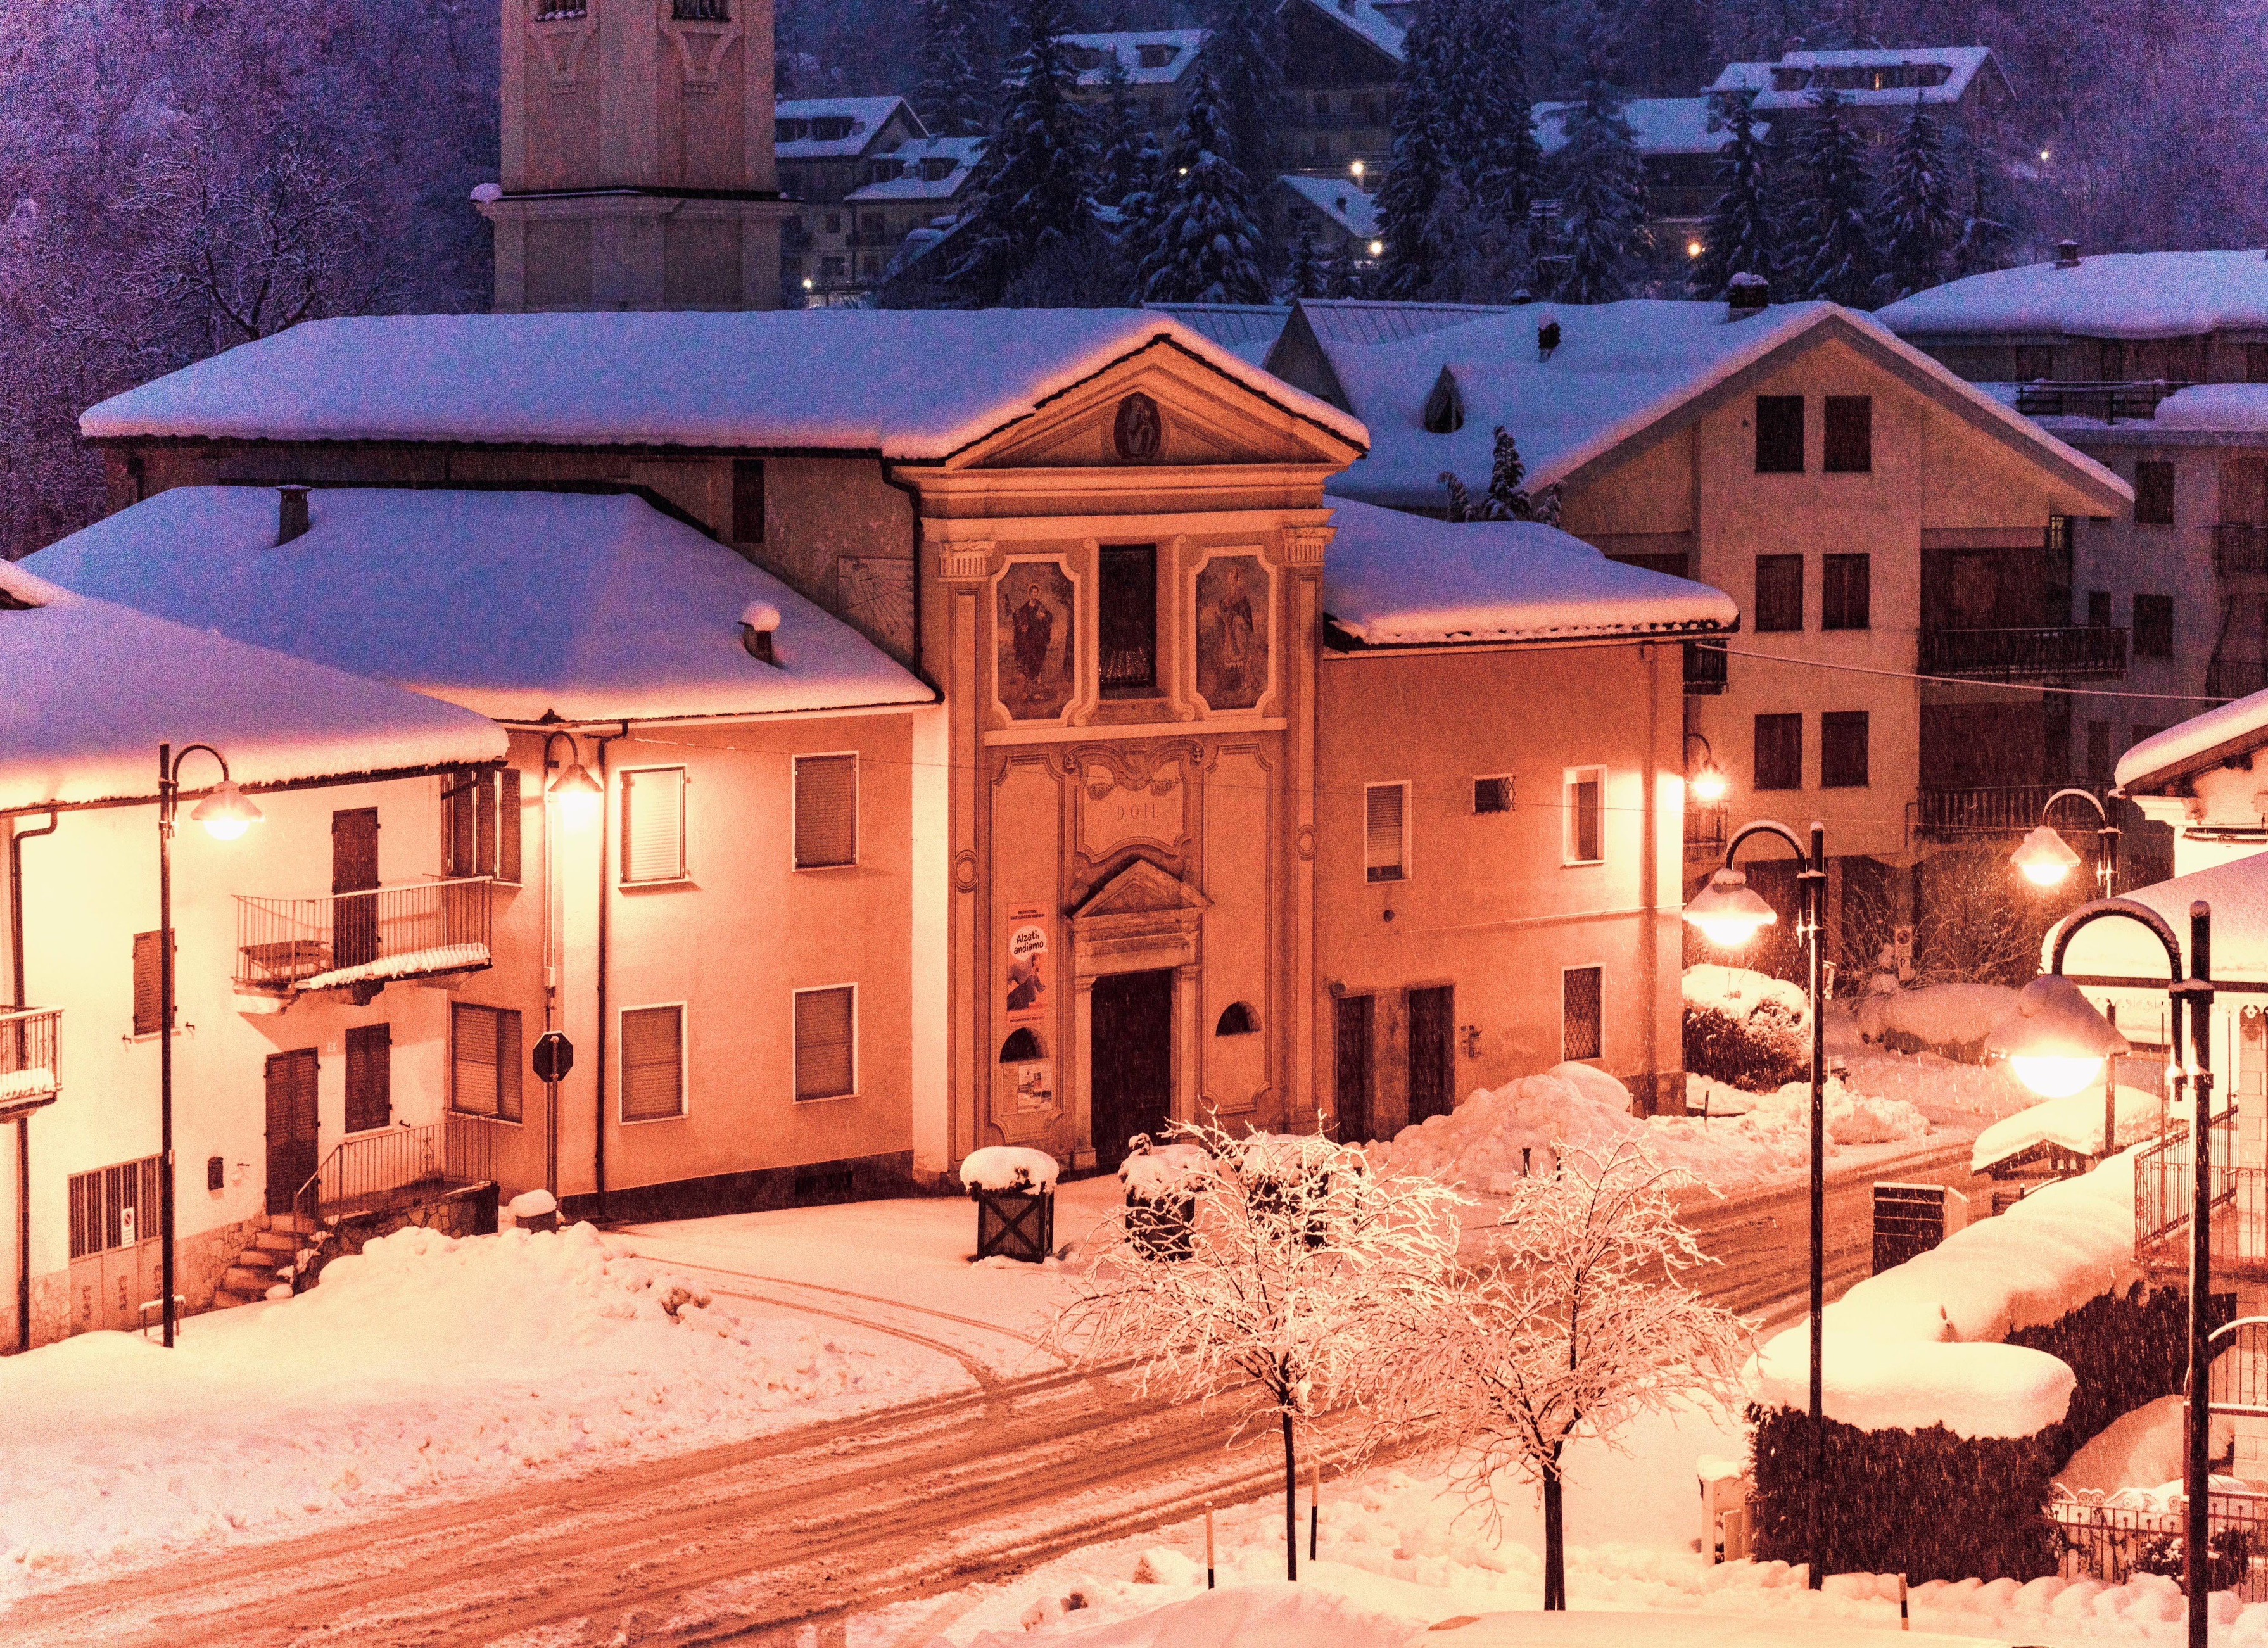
2067, 255
1746, 295
291, 514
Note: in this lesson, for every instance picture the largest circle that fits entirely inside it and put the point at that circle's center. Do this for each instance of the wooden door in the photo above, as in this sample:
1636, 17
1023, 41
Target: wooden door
1430, 1049
1354, 1031
291, 1125
354, 870
1132, 1069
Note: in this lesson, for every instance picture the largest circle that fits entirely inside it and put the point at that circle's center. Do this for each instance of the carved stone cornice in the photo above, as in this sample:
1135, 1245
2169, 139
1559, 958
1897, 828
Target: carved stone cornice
966, 562
1304, 546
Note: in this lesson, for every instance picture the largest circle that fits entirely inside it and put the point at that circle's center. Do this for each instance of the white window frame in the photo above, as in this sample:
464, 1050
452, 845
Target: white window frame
1403, 785
1599, 967
684, 828
622, 1062
858, 810
1511, 792
795, 1051
1569, 778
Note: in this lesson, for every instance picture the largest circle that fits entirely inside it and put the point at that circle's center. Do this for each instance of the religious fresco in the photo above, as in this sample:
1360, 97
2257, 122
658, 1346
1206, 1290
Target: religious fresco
1233, 632
1037, 646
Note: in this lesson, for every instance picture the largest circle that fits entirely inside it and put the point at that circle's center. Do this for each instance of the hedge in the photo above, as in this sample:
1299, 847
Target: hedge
1752, 1056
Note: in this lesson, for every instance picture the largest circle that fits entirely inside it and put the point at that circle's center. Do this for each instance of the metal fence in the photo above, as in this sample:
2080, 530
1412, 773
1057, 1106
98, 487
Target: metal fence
1987, 810
2113, 1537
286, 944
2165, 1177
386, 1169
2107, 402
2024, 654
29, 1071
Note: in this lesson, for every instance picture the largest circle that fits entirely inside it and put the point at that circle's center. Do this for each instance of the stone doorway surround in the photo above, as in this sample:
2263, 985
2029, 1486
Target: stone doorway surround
1141, 919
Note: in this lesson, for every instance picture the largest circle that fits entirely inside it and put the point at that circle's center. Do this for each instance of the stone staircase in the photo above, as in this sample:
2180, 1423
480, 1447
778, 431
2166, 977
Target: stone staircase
266, 1263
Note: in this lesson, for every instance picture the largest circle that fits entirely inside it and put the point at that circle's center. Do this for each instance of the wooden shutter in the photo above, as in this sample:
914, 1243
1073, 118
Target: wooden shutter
508, 826
473, 1059
654, 824
653, 1063
1583, 842
1383, 831
509, 1063
459, 814
1850, 435
826, 1031
370, 1078
148, 987
484, 825
826, 811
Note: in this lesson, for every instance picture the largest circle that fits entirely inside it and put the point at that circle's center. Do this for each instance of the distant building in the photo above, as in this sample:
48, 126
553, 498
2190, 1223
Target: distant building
1158, 62
826, 146
918, 189
1964, 81
1678, 139
1342, 59
1341, 216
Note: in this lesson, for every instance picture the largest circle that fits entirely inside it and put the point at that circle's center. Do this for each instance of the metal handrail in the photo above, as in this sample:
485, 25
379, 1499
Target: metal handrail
2014, 653
1985, 809
2162, 1181
417, 930
383, 1169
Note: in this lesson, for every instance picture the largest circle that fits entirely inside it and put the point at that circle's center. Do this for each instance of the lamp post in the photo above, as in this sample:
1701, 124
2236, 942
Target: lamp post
226, 813
1708, 785
2046, 859
1729, 913
2061, 1030
580, 799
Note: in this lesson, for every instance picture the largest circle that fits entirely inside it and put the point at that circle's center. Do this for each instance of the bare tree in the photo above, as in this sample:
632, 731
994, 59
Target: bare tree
1307, 1284
1580, 1323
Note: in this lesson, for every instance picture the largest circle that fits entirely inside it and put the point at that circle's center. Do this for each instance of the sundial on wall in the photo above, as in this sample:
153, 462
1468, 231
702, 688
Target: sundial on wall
878, 596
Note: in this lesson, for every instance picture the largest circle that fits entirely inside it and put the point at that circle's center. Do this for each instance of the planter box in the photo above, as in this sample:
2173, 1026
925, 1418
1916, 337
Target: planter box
1015, 1223
1163, 1230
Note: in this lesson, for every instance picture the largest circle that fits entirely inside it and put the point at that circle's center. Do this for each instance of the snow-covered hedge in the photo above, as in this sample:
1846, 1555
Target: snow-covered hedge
1746, 1029
1948, 1019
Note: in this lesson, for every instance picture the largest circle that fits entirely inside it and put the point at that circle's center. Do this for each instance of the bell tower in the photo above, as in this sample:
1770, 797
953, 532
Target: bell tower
637, 157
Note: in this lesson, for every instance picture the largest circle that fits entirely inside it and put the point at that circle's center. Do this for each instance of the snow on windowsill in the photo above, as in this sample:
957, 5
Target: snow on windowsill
27, 1084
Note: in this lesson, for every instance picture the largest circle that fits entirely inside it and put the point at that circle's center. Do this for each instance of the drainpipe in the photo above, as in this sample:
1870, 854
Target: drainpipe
16, 840
1650, 873
599, 1081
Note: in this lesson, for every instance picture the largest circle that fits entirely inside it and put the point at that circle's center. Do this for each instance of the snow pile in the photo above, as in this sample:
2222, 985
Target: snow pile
2109, 294
1943, 1090
2141, 1449
1937, 1018
424, 1366
1009, 1168
457, 958
1258, 1615
2075, 1124
1742, 994
2226, 409
27, 1084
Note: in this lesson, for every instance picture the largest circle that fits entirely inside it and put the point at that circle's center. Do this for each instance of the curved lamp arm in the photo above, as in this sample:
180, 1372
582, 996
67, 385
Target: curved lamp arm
2059, 936
2087, 796
1767, 827
187, 750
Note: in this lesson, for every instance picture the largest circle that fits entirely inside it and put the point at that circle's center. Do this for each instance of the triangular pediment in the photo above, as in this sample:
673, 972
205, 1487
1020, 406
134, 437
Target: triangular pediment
1142, 889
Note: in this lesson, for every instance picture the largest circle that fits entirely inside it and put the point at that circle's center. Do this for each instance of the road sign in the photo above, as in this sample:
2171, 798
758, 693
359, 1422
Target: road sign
555, 1056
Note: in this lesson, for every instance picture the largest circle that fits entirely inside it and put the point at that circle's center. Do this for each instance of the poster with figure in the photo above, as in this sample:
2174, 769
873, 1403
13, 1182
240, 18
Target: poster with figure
1027, 955
1232, 623
1037, 645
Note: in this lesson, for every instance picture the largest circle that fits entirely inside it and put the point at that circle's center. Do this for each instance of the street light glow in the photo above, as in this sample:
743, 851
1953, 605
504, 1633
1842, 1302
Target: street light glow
1709, 785
2055, 1040
227, 812
1356, 171
2044, 858
1728, 912
1694, 248
1377, 248
580, 797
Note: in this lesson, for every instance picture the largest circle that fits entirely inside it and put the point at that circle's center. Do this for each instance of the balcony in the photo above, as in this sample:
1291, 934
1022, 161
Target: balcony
1705, 831
400, 1166
1704, 668
362, 941
28, 1069
2106, 402
2062, 652
2235, 678
1951, 812
2239, 550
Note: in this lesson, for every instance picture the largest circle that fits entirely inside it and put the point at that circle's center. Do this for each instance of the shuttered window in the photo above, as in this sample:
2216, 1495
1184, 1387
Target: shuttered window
1779, 434
1581, 1033
654, 824
1850, 435
370, 1078
485, 1061
1843, 749
1585, 796
653, 1063
826, 811
148, 1001
826, 1043
1385, 838
479, 824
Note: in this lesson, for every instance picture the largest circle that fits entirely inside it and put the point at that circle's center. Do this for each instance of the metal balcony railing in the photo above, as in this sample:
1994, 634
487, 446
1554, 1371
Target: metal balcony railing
2164, 1177
2062, 651
287, 946
2235, 678
400, 1164
2107, 402
29, 1073
1945, 811
1705, 672
701, 11
2240, 549
1705, 831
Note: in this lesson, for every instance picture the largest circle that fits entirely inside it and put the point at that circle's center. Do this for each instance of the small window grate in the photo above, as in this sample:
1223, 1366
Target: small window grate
1491, 795
1581, 1030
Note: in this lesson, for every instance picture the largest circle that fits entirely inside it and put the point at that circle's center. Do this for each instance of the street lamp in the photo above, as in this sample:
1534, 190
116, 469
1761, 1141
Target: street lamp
1357, 170
2057, 1044
1709, 785
1729, 913
2045, 859
2057, 1028
580, 797
226, 813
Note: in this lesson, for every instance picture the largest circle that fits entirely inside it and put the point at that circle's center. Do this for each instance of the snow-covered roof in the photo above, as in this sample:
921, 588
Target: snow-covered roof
1792, 82
1339, 199
518, 605
2073, 1124
2237, 890
94, 689
1379, 26
1386, 319
1152, 56
2109, 295
2230, 408
1618, 369
908, 384
912, 184
2203, 740
867, 115
1397, 580
1660, 126
1247, 331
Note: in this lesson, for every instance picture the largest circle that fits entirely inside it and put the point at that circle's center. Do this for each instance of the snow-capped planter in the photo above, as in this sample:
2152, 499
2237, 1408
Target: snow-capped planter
1290, 1170
535, 1211
1162, 1181
1014, 1189
1950, 1020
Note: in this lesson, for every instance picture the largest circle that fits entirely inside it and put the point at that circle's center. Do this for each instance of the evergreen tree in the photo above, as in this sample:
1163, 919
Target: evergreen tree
1506, 499
1984, 234
1246, 55
1742, 236
1921, 223
1487, 114
1204, 247
1460, 506
1477, 257
1123, 140
1602, 206
1832, 255
954, 94
1421, 160
1346, 277
1035, 187
1304, 276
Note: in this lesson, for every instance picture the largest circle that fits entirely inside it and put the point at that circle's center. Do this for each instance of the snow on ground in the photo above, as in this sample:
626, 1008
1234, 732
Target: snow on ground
2074, 1123
1942, 1015
2141, 1449
424, 1368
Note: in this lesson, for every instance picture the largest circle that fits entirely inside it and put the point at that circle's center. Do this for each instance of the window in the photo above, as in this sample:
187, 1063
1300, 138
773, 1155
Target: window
654, 824
1779, 752
2034, 362
1237, 1019
1780, 593
832, 222
480, 823
1129, 619
148, 987
370, 1078
826, 1042
2098, 609
1843, 749
747, 500
1022, 1048
1846, 593
1779, 434
1850, 435
113, 1206
485, 1061
2153, 626
2153, 494
1585, 792
1491, 795
1386, 837
1581, 1033
653, 1063
826, 811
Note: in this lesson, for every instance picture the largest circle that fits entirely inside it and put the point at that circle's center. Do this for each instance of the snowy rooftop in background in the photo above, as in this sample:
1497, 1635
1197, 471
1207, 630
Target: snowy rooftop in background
1380, 26
2238, 893
1661, 126
92, 688
2108, 294
1876, 78
1394, 579
833, 129
919, 158
908, 384
1338, 199
2075, 1124
1247, 331
1388, 320
516, 605
2244, 721
2226, 409
1152, 56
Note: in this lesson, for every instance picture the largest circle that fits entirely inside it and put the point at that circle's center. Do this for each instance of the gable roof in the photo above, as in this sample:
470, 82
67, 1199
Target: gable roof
1659, 126
94, 689
1341, 199
1126, 45
522, 606
1790, 85
867, 115
1247, 331
1392, 580
2158, 764
1620, 370
2109, 294
1377, 27
836, 379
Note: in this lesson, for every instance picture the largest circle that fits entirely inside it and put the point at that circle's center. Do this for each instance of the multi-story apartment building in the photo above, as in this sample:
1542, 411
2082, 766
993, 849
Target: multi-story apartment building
1877, 84
1159, 65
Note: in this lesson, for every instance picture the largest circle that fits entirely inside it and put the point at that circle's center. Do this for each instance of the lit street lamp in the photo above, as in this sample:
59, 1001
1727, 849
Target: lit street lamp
226, 813
1729, 913
2046, 859
1708, 785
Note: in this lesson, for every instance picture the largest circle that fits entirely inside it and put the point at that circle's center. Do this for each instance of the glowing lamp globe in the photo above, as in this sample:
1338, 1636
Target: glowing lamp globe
2055, 1040
1728, 912
579, 795
1377, 248
2044, 858
1709, 783
227, 812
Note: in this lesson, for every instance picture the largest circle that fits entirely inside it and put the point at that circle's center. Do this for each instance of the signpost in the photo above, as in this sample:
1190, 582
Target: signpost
554, 1057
